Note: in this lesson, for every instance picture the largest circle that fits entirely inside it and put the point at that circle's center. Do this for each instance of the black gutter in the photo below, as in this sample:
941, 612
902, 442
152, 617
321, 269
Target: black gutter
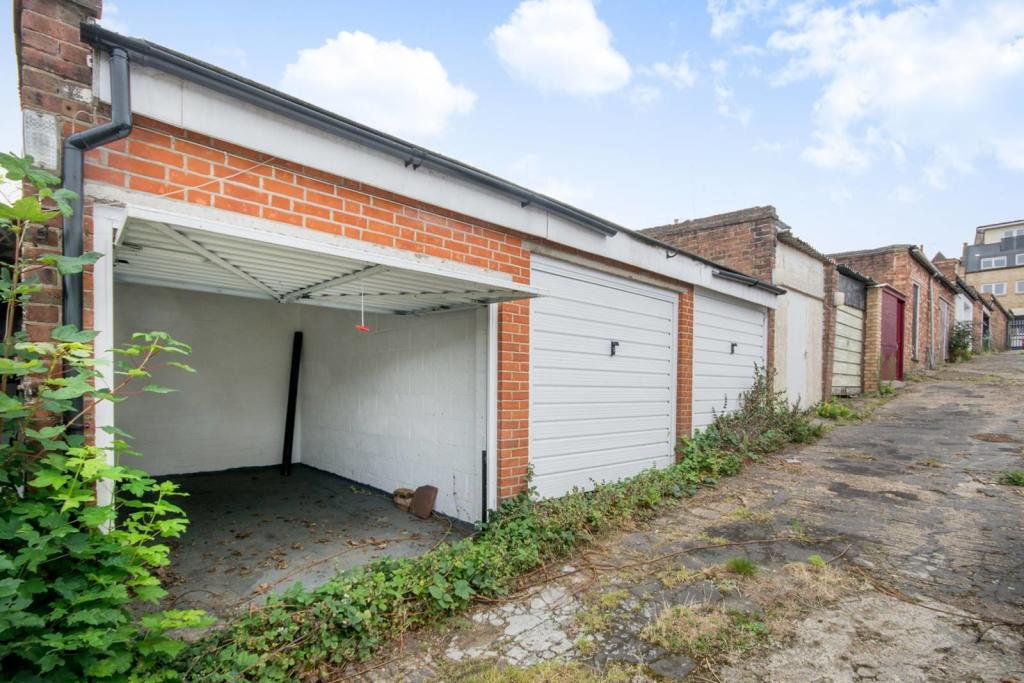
853, 274
749, 281
720, 270
216, 79
73, 165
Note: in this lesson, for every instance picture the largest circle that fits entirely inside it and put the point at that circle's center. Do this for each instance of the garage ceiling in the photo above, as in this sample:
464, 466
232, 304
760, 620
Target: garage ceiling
150, 252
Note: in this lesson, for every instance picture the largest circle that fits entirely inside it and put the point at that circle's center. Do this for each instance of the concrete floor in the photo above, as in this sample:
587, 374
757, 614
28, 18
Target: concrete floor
253, 531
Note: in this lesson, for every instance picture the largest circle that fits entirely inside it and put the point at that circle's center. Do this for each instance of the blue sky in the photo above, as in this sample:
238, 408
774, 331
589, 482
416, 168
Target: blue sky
864, 123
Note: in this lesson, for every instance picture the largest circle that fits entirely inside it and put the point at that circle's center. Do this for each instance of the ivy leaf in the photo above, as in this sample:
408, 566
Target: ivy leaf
71, 334
97, 516
157, 389
181, 366
53, 479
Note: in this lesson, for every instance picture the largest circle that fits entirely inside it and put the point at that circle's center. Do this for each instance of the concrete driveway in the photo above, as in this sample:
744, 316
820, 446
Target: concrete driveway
886, 551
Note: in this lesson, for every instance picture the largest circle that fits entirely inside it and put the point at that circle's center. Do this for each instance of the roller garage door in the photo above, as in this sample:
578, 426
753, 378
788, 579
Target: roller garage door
728, 339
602, 375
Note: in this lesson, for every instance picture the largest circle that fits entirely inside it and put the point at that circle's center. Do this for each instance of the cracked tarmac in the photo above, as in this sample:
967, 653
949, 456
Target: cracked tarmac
906, 504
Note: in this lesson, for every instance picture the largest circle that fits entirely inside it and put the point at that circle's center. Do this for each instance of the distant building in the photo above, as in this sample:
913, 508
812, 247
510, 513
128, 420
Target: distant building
994, 264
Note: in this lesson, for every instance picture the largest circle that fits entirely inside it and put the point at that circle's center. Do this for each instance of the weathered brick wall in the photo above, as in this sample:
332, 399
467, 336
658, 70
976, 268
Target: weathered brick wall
872, 366
898, 269
998, 323
743, 240
55, 78
977, 324
828, 341
684, 365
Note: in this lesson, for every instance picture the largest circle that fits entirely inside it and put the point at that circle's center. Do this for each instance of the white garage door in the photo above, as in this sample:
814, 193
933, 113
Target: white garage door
595, 416
728, 339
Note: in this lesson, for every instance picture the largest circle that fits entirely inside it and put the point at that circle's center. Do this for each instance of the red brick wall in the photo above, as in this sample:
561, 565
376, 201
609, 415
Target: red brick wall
748, 247
55, 77
998, 323
684, 365
898, 269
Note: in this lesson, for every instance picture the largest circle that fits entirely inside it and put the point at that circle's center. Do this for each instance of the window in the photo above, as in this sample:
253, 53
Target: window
997, 288
1019, 260
915, 301
1020, 286
993, 262
1013, 233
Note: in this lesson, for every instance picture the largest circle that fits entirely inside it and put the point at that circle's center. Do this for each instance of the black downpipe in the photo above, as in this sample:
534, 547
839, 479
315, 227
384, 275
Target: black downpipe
483, 505
289, 419
73, 165
75, 147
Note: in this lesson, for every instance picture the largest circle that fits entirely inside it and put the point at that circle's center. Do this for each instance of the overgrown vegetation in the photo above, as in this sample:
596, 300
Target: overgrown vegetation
314, 630
1012, 478
705, 630
960, 341
76, 561
742, 566
835, 410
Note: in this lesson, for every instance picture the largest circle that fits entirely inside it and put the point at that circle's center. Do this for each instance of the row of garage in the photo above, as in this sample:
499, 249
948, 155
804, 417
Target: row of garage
407, 403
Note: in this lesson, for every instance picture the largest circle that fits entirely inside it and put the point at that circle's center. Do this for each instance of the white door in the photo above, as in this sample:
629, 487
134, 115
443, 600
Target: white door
798, 337
728, 340
602, 377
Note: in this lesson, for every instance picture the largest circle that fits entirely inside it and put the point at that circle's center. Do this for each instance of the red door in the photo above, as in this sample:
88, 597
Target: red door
892, 337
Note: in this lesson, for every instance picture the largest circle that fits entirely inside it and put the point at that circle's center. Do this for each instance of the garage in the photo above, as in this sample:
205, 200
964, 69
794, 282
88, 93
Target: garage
728, 341
395, 385
602, 376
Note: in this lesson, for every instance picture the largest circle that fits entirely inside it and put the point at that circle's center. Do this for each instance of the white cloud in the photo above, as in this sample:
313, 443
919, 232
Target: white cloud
905, 194
386, 84
770, 146
727, 15
680, 74
561, 45
643, 96
111, 19
530, 171
937, 79
725, 96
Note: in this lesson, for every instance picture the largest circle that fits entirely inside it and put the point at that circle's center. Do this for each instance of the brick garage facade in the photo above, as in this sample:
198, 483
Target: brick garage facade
896, 266
999, 321
747, 240
180, 165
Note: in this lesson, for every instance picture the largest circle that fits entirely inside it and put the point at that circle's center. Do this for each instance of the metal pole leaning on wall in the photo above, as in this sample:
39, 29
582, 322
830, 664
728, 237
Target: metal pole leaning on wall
293, 392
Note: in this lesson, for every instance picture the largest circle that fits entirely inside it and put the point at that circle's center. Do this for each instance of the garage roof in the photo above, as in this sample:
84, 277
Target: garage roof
163, 254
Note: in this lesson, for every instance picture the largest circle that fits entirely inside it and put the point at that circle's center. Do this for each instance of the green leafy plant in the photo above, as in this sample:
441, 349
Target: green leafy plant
816, 561
960, 337
834, 410
1012, 478
75, 560
743, 566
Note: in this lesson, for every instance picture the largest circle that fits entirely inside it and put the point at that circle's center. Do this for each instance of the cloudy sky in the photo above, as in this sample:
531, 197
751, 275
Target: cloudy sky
864, 122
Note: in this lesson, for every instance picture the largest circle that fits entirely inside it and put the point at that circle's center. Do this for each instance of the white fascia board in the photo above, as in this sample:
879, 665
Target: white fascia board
184, 104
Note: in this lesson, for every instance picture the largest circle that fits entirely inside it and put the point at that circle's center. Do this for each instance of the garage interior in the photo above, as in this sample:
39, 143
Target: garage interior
403, 404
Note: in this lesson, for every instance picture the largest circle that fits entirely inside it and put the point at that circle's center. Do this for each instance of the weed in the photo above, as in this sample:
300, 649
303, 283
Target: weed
743, 566
834, 410
886, 389
593, 621
799, 533
1012, 478
489, 671
672, 578
613, 599
704, 631
816, 561
586, 646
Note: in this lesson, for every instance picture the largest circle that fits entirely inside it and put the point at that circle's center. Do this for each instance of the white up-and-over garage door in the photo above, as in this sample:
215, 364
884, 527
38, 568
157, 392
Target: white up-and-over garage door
603, 377
728, 339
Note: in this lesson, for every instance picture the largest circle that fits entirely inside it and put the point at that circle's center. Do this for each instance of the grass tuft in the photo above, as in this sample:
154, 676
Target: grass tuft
742, 566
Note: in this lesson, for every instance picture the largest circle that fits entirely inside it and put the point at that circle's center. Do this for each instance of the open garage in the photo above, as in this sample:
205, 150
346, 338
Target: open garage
392, 390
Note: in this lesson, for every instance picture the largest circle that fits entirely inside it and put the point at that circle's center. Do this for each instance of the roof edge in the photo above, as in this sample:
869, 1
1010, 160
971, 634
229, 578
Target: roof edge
258, 94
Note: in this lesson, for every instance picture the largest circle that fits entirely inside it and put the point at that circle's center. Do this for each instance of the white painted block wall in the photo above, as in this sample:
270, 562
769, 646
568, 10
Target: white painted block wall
400, 406
231, 412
